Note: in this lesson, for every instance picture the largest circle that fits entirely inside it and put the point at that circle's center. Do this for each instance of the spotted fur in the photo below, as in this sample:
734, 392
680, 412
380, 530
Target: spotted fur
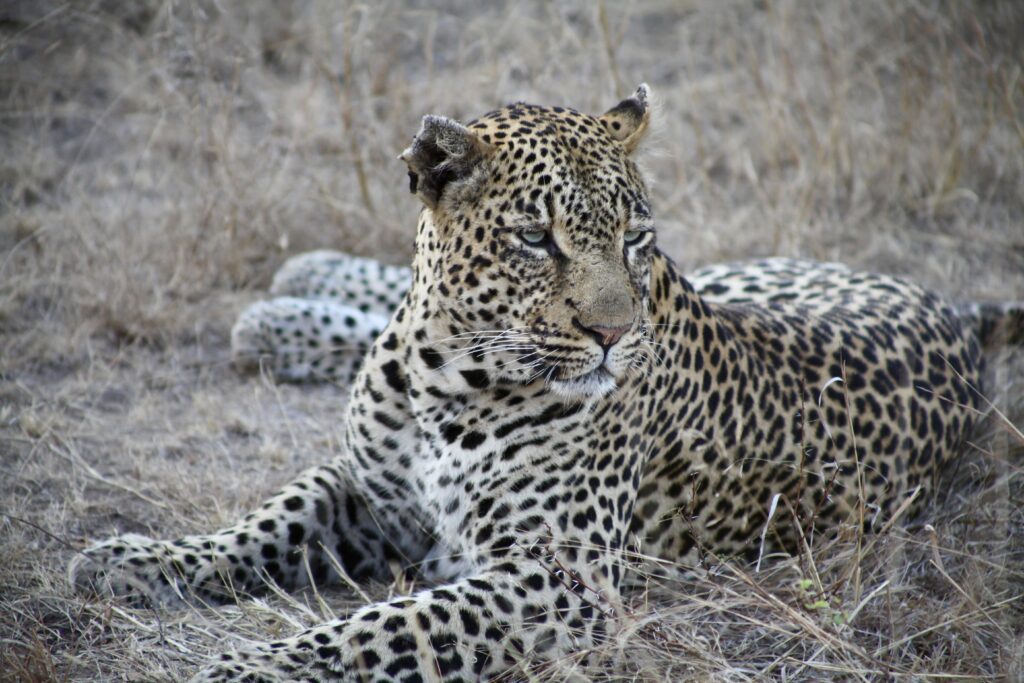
550, 394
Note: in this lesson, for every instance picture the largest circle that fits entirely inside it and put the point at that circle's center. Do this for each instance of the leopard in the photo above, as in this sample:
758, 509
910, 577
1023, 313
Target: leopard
544, 397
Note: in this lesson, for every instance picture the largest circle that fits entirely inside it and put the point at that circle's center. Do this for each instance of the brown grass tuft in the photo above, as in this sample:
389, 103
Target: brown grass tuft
158, 160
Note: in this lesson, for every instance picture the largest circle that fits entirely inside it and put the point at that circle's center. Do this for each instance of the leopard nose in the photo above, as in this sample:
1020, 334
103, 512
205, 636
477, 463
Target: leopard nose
604, 335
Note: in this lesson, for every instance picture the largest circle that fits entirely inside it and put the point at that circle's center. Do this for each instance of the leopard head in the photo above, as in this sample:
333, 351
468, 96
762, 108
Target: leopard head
535, 243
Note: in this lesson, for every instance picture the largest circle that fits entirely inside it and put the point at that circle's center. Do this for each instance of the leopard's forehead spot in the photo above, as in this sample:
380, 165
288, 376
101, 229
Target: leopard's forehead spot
531, 125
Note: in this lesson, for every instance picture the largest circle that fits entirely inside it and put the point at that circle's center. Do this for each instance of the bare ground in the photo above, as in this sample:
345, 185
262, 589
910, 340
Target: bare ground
158, 160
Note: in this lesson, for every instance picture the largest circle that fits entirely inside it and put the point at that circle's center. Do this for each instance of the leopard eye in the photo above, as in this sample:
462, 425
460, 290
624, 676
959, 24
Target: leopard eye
632, 236
533, 236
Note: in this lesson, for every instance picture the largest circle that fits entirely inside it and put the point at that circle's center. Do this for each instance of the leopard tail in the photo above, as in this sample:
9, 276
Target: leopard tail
996, 323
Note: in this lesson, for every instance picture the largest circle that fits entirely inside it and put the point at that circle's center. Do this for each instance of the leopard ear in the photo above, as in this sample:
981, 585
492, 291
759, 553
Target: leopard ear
627, 121
443, 151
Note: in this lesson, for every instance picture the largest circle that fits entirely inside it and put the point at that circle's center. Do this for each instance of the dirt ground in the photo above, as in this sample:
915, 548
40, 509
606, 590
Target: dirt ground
160, 159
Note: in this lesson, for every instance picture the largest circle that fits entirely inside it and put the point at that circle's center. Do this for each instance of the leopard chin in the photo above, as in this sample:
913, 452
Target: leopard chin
593, 384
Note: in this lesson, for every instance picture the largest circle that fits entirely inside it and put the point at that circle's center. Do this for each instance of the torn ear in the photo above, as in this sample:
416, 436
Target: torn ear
444, 151
627, 121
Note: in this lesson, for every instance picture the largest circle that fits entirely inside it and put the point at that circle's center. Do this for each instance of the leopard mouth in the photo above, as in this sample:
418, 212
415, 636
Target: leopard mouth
592, 384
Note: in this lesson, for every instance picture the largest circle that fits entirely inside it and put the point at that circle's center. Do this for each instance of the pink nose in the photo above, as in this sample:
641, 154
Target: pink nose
604, 335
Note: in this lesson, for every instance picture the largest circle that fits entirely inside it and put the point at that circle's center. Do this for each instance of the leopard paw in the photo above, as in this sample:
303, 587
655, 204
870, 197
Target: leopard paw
147, 572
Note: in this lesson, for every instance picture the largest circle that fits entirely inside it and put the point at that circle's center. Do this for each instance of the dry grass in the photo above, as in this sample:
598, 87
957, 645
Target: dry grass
158, 160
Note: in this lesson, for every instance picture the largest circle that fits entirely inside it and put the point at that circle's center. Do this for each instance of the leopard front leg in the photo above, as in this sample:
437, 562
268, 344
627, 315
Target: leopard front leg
358, 512
501, 622
317, 515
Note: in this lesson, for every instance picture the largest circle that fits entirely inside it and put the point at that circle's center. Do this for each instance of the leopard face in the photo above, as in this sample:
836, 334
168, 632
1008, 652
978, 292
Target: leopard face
538, 247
